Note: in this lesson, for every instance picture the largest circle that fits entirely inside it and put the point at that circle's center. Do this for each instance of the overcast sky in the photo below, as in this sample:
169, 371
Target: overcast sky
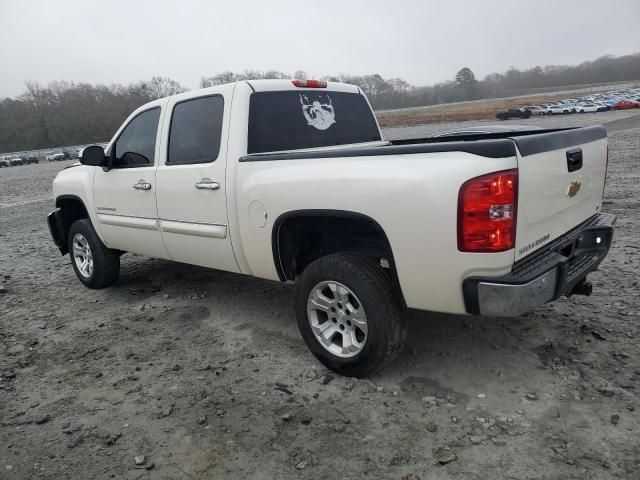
421, 41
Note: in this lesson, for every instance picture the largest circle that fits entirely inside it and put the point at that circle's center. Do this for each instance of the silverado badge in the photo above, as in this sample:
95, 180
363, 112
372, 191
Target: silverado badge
574, 188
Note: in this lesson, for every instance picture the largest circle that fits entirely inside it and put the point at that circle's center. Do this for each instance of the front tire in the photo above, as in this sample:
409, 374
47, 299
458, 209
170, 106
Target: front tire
349, 314
96, 266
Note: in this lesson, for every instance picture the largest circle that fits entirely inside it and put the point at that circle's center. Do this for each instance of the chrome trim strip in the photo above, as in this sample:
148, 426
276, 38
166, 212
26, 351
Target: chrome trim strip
502, 300
198, 229
126, 221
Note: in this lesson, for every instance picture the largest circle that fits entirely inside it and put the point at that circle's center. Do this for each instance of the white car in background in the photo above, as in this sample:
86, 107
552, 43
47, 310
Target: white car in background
558, 109
55, 156
587, 108
535, 109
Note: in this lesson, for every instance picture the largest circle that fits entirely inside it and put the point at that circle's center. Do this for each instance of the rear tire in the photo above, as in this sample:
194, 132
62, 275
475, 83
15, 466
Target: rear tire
349, 314
96, 266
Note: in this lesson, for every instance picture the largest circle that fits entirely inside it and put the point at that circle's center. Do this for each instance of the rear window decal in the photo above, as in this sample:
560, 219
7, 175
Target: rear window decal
318, 114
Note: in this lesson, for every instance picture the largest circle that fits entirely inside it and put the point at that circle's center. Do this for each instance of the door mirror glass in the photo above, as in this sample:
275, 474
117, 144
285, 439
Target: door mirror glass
93, 156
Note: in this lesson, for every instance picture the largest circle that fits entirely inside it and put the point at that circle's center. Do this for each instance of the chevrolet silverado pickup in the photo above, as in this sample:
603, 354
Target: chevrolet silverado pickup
292, 181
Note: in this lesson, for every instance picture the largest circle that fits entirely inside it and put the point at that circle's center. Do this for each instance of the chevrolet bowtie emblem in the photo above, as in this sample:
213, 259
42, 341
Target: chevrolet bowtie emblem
574, 188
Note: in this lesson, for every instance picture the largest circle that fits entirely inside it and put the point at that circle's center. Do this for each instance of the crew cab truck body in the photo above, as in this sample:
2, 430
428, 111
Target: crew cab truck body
292, 181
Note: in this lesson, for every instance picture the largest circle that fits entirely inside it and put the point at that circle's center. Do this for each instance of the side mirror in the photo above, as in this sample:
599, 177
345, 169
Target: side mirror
93, 156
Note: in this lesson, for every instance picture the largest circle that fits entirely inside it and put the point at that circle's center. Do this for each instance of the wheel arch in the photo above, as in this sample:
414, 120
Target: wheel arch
71, 208
325, 232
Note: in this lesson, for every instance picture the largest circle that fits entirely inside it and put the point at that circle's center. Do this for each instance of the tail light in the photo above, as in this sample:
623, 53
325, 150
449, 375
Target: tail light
309, 83
487, 212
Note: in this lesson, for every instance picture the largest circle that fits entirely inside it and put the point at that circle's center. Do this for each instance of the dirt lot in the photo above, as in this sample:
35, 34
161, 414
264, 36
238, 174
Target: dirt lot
204, 374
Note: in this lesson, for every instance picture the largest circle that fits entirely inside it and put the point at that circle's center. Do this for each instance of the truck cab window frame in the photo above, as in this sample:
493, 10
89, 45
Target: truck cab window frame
145, 150
195, 131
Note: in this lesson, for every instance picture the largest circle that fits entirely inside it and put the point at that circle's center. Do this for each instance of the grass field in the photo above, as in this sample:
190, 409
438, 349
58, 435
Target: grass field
483, 109
460, 111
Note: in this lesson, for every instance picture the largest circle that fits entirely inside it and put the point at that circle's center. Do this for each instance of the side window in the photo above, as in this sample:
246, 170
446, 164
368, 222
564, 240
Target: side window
136, 145
196, 128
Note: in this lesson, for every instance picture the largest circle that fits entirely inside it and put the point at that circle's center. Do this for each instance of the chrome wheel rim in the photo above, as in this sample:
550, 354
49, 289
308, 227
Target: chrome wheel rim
82, 255
337, 319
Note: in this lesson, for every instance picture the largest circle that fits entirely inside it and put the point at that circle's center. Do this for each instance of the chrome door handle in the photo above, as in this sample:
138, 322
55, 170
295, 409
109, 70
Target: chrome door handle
142, 185
207, 184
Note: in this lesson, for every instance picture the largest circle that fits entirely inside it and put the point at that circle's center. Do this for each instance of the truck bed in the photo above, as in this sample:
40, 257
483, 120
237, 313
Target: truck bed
491, 145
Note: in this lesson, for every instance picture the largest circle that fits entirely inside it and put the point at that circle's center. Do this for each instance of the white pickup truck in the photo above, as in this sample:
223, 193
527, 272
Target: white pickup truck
292, 181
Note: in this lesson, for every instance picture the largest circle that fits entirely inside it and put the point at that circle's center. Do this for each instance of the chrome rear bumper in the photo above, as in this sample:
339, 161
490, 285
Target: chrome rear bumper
559, 268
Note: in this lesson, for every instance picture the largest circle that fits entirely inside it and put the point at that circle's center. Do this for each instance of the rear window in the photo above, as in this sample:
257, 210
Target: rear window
292, 120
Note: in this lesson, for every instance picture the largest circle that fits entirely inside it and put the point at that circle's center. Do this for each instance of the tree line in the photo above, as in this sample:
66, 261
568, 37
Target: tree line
66, 113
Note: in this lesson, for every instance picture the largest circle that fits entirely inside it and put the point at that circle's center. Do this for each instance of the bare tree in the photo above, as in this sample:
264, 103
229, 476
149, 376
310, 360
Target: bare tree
219, 79
465, 76
64, 113
467, 82
160, 87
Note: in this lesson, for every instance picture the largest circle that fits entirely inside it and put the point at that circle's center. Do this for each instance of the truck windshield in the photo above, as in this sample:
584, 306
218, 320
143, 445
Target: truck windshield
292, 120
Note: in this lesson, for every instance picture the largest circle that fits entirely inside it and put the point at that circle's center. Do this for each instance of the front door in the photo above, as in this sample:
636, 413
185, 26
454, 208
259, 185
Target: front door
125, 195
191, 190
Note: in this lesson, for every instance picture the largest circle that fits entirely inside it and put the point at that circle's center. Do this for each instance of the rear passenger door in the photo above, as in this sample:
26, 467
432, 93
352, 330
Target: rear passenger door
191, 190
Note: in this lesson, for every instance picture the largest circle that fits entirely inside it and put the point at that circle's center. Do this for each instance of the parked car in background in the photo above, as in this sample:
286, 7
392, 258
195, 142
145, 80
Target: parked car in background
570, 105
586, 107
535, 109
72, 153
625, 104
55, 156
513, 113
32, 159
558, 109
15, 161
4, 162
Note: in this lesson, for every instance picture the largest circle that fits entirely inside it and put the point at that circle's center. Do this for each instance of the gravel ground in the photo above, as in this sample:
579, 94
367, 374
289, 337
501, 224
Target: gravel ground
202, 374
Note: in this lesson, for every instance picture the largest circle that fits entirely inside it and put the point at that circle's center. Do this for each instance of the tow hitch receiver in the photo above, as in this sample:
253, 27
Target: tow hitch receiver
582, 288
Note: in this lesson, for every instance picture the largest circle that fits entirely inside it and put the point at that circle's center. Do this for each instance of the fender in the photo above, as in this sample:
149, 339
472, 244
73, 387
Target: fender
60, 220
341, 214
70, 197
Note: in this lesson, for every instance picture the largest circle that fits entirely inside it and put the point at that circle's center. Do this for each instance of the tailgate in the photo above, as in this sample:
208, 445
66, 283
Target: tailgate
560, 182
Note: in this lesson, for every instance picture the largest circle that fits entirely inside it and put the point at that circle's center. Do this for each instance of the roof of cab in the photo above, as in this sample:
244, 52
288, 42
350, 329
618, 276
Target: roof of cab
256, 86
287, 84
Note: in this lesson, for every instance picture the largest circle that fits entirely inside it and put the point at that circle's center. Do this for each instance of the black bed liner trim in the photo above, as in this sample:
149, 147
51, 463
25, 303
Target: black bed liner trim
500, 148
490, 145
543, 142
